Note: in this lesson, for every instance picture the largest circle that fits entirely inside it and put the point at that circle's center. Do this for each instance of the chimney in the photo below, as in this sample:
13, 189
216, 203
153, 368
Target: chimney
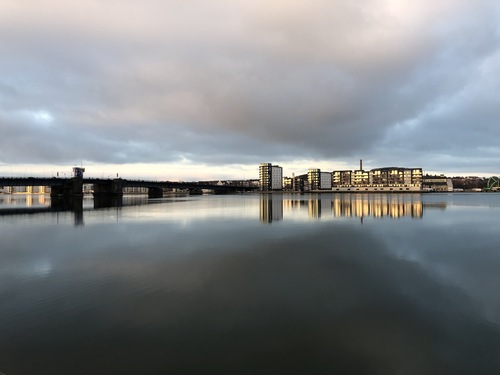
360, 164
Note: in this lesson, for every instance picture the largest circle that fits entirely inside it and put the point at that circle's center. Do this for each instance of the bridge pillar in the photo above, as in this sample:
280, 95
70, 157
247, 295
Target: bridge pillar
56, 191
108, 188
155, 192
117, 187
72, 188
195, 192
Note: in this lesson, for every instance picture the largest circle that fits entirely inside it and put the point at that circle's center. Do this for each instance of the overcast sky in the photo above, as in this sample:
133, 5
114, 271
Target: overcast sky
194, 89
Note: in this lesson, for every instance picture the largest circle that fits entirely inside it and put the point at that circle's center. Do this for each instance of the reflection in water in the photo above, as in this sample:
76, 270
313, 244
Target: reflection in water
198, 286
106, 202
378, 205
74, 205
24, 200
38, 204
314, 208
271, 208
274, 206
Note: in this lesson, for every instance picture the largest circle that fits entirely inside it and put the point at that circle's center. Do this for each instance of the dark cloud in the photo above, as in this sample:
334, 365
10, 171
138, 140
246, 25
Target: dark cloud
241, 83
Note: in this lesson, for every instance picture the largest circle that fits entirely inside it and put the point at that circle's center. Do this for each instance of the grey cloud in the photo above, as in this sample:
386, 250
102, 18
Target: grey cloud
249, 82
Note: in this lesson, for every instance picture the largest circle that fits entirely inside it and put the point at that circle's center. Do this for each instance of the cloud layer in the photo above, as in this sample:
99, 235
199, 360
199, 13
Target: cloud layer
238, 82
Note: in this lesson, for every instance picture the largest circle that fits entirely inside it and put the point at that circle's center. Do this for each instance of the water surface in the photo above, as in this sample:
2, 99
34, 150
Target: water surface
251, 284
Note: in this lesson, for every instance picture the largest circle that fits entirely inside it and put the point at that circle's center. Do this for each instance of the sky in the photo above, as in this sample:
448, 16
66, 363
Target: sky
195, 89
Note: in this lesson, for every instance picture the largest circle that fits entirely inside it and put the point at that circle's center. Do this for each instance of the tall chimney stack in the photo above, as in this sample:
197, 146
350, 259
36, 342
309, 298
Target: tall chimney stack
360, 164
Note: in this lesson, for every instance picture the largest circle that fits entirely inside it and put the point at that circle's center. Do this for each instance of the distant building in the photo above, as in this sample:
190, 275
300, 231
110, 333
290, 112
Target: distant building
341, 178
313, 177
270, 177
319, 180
300, 183
437, 183
325, 181
132, 190
360, 177
25, 190
378, 179
288, 183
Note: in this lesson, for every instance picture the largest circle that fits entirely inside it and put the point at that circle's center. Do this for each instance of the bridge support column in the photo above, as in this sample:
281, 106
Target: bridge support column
195, 192
72, 188
110, 188
155, 192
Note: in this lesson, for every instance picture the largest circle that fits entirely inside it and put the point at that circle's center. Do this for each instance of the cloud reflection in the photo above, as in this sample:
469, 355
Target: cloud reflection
328, 300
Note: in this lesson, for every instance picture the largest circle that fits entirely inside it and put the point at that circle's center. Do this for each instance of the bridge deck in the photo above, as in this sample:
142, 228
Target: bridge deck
56, 181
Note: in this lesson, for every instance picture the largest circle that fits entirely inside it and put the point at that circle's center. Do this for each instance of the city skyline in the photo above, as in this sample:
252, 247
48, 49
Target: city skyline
193, 90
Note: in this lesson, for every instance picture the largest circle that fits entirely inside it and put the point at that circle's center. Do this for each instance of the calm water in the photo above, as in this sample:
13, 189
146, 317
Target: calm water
277, 284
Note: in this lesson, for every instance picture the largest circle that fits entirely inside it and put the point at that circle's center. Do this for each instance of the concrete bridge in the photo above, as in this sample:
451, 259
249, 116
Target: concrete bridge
73, 187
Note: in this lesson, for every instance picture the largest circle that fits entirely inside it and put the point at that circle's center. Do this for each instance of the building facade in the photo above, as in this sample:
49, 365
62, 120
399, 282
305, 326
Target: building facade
378, 179
319, 180
270, 177
437, 183
341, 178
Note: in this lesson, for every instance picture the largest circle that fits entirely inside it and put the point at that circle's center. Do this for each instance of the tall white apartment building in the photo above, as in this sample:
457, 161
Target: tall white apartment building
319, 180
270, 177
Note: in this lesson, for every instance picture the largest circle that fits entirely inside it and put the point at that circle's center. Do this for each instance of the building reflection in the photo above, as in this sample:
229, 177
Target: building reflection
316, 206
271, 208
377, 205
25, 200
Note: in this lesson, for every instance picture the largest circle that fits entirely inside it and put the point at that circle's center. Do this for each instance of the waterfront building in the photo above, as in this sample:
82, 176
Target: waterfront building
325, 181
288, 183
341, 178
25, 190
319, 180
360, 177
387, 179
437, 183
313, 177
135, 190
301, 183
378, 179
270, 177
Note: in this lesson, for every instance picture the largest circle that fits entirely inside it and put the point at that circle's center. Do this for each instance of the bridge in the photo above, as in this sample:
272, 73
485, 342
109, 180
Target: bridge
73, 187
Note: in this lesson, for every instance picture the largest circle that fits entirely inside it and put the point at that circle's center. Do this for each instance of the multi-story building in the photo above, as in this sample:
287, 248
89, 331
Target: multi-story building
387, 179
288, 183
341, 178
378, 179
319, 180
301, 183
360, 177
270, 177
313, 177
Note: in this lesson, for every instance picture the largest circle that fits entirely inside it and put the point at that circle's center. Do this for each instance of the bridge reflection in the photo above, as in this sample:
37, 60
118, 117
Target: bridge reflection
38, 204
315, 206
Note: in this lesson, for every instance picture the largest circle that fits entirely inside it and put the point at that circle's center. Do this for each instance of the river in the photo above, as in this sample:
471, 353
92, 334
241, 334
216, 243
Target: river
251, 284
